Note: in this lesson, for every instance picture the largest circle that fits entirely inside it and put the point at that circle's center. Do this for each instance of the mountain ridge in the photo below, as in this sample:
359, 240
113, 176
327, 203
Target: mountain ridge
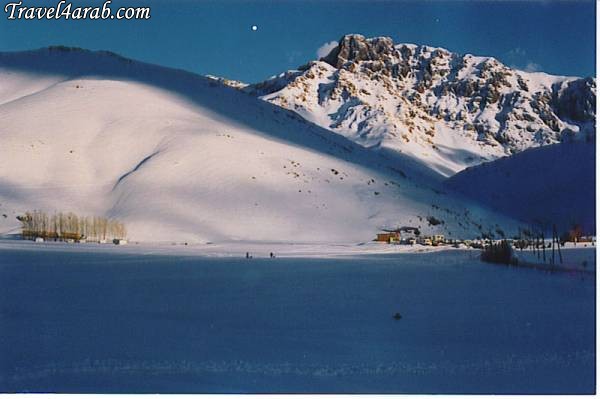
547, 186
446, 110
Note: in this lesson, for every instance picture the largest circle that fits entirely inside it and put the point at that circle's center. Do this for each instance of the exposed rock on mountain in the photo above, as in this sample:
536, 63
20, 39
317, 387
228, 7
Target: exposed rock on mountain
447, 110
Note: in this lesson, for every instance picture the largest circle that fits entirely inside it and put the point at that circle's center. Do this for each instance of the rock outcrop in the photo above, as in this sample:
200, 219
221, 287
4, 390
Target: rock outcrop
446, 109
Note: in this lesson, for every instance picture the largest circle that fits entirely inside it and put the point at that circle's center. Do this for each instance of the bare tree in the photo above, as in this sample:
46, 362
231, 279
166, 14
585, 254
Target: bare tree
69, 226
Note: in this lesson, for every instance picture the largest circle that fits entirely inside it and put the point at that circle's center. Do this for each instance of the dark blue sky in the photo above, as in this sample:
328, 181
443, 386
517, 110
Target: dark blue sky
215, 36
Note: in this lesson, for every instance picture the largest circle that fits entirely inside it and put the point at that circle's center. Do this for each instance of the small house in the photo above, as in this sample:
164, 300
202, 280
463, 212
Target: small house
39, 239
119, 241
409, 231
390, 238
425, 241
438, 238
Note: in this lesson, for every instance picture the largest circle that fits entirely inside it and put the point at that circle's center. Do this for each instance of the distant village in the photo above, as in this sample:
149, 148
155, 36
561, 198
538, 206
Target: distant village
412, 236
71, 228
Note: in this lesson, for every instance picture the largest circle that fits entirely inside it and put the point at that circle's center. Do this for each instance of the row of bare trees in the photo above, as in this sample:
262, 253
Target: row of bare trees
64, 226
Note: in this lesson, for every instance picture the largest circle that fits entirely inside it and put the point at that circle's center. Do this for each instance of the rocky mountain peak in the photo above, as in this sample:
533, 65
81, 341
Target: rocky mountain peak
447, 109
354, 48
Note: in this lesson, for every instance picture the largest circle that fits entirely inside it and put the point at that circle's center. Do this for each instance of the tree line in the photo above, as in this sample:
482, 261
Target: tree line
65, 226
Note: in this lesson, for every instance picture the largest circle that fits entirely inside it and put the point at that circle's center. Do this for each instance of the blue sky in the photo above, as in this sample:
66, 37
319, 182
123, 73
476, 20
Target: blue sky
215, 37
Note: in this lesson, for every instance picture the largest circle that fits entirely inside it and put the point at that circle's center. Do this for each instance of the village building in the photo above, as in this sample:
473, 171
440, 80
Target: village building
425, 241
402, 235
390, 238
438, 239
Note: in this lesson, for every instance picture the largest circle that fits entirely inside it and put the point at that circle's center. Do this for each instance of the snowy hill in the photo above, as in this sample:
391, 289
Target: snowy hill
180, 157
447, 110
533, 186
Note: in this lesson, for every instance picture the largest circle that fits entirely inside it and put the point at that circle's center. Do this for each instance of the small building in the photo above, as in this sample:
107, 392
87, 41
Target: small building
39, 239
438, 239
119, 241
70, 237
390, 238
409, 231
425, 241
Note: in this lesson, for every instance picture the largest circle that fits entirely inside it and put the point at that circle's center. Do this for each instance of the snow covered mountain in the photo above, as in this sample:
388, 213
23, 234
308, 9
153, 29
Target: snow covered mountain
180, 157
447, 110
548, 185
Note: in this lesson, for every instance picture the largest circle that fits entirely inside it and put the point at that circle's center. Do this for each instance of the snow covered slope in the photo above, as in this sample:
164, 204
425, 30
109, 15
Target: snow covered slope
179, 157
549, 185
447, 110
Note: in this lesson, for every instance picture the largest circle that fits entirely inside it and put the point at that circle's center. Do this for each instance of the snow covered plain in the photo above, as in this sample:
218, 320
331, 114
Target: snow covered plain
227, 249
580, 258
116, 319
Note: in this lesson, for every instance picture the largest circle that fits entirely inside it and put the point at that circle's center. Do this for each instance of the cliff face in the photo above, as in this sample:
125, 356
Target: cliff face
446, 109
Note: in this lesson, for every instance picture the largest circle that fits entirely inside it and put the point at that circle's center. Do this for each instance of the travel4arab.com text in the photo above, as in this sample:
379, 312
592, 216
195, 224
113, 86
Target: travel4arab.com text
66, 10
